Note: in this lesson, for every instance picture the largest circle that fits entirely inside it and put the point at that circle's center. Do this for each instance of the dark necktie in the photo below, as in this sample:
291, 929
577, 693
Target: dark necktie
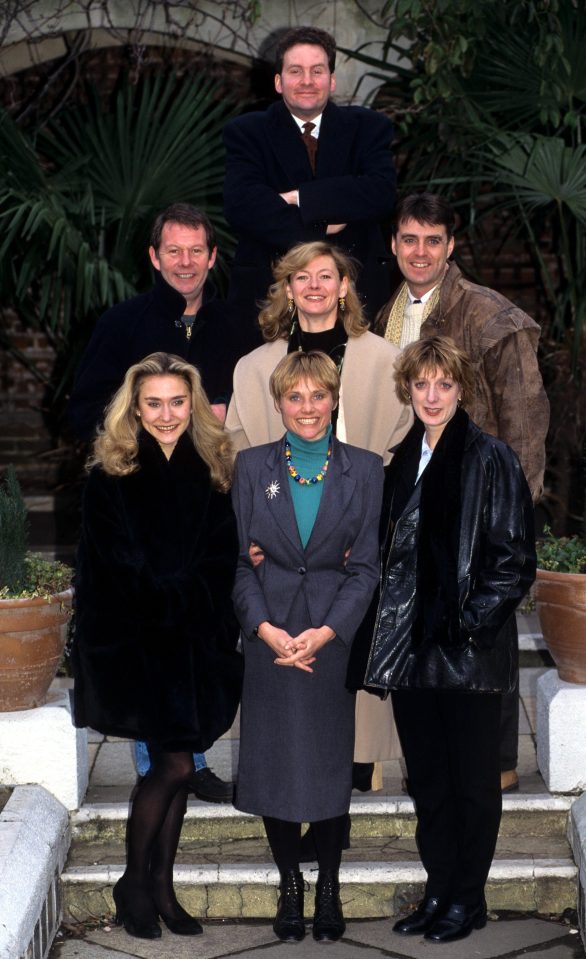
310, 143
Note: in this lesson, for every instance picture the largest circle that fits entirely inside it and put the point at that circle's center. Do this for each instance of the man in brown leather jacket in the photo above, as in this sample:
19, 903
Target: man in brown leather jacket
509, 401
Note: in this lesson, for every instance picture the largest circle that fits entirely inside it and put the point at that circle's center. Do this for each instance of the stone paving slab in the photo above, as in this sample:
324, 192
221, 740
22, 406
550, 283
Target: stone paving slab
363, 940
498, 938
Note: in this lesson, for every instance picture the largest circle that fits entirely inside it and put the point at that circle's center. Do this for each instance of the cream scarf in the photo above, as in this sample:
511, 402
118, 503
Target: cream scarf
394, 325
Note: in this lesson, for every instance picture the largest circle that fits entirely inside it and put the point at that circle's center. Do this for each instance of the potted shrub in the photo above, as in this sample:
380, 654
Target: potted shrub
560, 596
35, 607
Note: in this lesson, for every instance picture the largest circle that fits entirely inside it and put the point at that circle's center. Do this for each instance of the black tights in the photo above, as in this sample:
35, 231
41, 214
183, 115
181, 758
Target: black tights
284, 838
154, 827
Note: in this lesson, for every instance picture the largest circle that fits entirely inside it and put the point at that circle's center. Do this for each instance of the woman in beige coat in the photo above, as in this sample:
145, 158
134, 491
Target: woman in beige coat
313, 305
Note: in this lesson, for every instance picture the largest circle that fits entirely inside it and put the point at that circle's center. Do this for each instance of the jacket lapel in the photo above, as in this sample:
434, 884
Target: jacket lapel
338, 491
335, 140
287, 145
274, 479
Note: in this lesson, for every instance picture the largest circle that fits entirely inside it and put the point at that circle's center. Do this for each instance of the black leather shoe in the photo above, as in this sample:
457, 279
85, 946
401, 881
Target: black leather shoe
209, 787
420, 920
362, 776
135, 911
288, 925
457, 922
328, 919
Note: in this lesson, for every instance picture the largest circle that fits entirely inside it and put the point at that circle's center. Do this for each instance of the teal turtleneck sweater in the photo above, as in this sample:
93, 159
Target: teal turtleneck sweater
308, 457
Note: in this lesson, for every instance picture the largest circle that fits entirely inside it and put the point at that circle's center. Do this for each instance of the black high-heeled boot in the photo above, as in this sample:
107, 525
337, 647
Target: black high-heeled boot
135, 911
288, 925
182, 924
328, 919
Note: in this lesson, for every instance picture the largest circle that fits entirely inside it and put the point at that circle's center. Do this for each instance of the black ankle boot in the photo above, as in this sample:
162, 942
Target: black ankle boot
288, 924
328, 920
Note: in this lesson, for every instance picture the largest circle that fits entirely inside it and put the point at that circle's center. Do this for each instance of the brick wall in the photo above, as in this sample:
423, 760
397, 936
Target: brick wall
25, 438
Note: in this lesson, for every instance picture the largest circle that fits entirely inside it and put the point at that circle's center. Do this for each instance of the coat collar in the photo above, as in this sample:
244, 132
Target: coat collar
170, 302
334, 142
184, 460
338, 490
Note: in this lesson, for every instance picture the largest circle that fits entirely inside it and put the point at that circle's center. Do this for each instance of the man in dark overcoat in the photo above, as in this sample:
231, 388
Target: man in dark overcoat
306, 169
181, 314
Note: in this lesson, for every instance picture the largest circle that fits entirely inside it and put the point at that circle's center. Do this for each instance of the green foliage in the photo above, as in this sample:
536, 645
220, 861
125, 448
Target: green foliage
490, 102
561, 554
79, 196
22, 574
42, 577
13, 533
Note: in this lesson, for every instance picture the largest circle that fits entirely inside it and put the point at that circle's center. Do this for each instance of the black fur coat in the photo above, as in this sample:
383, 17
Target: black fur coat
154, 650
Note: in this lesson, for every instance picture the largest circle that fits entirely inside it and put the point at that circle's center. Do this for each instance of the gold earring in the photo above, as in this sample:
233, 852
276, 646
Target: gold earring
290, 305
342, 303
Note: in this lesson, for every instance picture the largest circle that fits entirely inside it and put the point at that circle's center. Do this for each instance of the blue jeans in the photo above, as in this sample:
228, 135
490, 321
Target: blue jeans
143, 762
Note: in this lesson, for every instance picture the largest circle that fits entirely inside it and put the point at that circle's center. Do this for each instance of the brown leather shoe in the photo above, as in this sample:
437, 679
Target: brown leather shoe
509, 781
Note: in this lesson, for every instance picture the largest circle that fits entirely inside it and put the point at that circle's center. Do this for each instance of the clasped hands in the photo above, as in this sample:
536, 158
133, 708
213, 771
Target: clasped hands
299, 651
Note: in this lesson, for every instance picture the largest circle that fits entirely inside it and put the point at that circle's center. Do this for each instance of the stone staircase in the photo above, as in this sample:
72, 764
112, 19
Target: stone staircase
224, 868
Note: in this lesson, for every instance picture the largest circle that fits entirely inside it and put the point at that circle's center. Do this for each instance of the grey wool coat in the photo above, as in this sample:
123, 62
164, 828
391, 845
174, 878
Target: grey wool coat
297, 728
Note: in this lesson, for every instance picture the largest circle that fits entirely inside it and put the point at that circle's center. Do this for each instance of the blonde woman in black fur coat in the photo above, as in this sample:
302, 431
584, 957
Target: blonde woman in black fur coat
154, 649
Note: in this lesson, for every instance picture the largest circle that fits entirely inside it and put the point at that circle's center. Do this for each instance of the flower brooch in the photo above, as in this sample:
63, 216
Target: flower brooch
272, 490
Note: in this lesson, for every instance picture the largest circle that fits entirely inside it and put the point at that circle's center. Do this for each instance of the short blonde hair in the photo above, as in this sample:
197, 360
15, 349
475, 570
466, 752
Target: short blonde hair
276, 321
434, 353
296, 367
116, 445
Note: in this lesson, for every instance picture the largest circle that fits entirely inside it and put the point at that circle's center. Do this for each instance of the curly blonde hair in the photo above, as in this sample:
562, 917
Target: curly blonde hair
431, 354
276, 321
115, 448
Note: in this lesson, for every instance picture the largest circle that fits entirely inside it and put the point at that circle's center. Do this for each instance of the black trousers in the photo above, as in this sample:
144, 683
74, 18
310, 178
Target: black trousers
450, 742
509, 735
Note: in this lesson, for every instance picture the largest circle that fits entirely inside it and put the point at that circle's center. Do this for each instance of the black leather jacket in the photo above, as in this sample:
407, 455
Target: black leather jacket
495, 567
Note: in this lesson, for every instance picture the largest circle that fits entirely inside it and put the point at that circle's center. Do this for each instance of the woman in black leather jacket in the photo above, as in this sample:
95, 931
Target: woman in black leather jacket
459, 555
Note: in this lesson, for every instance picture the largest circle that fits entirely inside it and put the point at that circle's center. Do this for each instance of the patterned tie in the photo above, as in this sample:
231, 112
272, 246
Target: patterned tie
310, 143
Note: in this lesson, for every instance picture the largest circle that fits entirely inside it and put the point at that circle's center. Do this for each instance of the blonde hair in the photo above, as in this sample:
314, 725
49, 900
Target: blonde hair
295, 367
434, 353
115, 448
276, 321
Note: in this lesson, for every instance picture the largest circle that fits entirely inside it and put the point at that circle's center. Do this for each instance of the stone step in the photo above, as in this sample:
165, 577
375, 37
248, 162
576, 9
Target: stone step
539, 816
224, 868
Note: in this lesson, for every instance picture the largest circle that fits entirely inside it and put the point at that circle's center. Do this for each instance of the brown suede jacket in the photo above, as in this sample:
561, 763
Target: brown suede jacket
510, 401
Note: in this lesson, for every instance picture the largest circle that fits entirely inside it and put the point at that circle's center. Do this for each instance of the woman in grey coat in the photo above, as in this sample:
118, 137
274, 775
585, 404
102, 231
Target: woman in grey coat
312, 505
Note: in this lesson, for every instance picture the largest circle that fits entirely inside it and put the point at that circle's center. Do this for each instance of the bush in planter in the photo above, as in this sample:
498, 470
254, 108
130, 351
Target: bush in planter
560, 595
35, 606
561, 554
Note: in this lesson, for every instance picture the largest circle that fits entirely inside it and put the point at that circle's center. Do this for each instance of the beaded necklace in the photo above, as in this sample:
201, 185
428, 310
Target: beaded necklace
301, 479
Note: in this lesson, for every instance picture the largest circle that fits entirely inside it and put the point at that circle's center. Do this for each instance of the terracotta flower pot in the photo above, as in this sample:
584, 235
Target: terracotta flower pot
33, 633
561, 604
